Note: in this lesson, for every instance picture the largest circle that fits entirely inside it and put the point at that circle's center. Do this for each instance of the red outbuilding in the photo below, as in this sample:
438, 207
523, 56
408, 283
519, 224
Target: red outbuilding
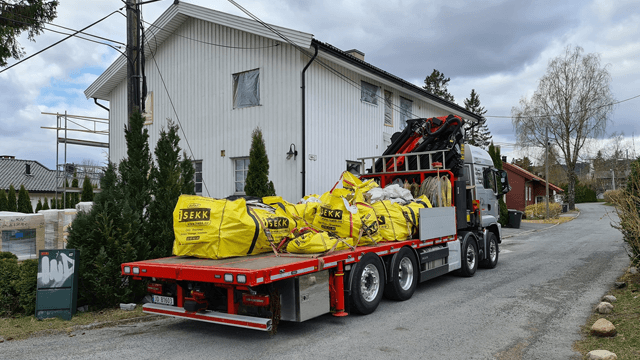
526, 188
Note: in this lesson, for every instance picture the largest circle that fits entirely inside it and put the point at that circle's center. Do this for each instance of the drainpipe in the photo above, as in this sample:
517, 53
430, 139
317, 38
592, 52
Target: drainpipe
95, 100
304, 144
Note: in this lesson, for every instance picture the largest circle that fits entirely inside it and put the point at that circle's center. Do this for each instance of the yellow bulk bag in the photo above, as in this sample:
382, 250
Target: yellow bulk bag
217, 229
312, 243
285, 208
391, 221
412, 212
352, 182
339, 217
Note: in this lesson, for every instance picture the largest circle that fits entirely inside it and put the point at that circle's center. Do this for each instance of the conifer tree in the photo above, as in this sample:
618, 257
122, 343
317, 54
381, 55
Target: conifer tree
494, 152
38, 206
3, 200
171, 178
87, 189
24, 201
257, 183
75, 197
135, 168
54, 203
436, 84
12, 202
45, 204
479, 134
65, 203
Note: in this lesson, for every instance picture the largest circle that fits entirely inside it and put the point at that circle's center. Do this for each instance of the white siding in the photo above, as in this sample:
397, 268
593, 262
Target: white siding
198, 77
341, 127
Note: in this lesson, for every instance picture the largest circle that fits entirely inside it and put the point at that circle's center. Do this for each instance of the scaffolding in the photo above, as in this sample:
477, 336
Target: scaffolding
65, 171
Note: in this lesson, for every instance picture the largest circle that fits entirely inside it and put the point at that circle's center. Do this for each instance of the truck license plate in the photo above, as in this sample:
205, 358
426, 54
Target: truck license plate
165, 300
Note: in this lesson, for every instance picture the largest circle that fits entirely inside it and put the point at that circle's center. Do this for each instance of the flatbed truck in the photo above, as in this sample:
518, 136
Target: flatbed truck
259, 291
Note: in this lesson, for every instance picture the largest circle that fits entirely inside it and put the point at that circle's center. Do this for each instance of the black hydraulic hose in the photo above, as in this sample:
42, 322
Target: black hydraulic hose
304, 120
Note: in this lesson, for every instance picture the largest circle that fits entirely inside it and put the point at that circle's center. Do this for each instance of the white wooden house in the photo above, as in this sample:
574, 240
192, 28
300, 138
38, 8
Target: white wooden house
227, 75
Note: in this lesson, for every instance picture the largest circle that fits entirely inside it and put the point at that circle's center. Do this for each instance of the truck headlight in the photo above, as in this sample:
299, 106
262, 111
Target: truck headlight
127, 269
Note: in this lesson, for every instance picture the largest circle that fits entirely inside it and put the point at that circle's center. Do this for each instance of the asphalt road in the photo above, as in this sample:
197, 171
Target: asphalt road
531, 306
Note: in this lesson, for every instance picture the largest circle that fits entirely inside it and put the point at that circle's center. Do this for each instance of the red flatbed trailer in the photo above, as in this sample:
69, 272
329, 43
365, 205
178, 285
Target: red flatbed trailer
242, 274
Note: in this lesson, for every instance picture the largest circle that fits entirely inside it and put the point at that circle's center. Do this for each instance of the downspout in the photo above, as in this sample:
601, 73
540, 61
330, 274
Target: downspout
95, 100
304, 144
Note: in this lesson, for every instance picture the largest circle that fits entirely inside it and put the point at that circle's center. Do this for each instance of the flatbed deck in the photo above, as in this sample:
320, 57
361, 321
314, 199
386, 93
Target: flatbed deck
263, 268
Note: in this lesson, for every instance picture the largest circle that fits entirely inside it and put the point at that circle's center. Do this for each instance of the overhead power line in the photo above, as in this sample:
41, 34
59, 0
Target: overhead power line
56, 43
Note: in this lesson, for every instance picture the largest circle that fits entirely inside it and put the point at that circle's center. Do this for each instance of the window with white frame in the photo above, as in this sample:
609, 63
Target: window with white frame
388, 108
246, 89
197, 178
240, 172
406, 107
369, 92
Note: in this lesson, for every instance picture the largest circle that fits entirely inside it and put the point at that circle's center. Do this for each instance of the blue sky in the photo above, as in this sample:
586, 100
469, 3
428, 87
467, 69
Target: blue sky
500, 48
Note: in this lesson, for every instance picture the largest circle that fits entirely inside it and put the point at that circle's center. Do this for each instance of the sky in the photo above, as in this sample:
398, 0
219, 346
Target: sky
500, 48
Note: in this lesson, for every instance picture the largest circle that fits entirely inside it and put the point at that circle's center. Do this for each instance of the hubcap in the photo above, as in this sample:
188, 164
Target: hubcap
471, 257
370, 282
493, 251
405, 273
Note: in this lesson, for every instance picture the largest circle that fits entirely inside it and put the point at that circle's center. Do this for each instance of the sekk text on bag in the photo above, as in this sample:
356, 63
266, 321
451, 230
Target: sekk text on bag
393, 225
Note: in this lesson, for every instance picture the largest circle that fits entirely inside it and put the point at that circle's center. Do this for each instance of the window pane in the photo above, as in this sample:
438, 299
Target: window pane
198, 177
369, 92
405, 111
239, 187
239, 164
199, 188
239, 176
198, 166
246, 89
388, 108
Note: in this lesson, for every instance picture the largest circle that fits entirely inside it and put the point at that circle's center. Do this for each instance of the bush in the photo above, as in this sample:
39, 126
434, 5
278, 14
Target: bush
628, 210
8, 255
27, 285
583, 193
611, 196
8, 297
539, 211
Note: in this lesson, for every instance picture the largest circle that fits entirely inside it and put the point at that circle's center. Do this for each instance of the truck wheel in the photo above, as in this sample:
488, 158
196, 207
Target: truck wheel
492, 253
367, 286
469, 257
403, 275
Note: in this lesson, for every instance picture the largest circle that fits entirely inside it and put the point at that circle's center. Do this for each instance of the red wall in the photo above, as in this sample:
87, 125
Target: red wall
516, 197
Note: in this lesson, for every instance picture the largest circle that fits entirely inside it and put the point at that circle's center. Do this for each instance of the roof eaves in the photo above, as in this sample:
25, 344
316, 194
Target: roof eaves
399, 81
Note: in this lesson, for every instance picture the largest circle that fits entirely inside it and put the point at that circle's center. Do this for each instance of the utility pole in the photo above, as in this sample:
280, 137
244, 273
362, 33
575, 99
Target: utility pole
133, 58
546, 165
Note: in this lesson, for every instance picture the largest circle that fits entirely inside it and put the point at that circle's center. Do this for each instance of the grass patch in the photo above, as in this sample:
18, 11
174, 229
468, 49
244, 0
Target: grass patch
625, 317
22, 327
559, 220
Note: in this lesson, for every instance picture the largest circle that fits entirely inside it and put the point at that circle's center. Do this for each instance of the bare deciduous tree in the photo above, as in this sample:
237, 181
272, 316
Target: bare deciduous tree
573, 101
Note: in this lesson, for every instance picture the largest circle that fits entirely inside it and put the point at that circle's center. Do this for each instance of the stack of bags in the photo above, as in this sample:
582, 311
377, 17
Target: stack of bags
358, 214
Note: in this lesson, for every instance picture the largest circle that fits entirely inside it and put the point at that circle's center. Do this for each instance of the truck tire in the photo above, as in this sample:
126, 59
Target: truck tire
403, 275
492, 252
469, 257
367, 285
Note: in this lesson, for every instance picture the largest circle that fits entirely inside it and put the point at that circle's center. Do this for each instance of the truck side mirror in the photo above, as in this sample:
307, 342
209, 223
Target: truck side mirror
504, 182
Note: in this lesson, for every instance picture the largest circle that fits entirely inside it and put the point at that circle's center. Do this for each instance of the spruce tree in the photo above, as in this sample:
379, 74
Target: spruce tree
38, 206
24, 201
45, 204
12, 202
479, 134
87, 189
65, 203
75, 197
436, 84
494, 152
257, 183
135, 168
171, 178
3, 200
54, 203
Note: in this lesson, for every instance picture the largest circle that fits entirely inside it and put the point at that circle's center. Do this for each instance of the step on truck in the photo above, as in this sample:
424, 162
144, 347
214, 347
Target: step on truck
258, 291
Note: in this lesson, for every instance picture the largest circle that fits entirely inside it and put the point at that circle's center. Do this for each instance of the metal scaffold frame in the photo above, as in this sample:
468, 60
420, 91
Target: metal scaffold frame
65, 171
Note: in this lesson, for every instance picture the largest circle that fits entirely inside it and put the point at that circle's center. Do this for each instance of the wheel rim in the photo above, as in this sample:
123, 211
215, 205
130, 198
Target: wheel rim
493, 251
471, 257
370, 282
405, 273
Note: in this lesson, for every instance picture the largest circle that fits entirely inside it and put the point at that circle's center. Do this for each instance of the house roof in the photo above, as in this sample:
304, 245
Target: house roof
527, 175
13, 172
179, 12
169, 22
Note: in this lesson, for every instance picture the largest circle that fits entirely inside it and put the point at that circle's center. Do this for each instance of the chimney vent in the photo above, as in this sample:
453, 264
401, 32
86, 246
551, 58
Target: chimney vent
356, 54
